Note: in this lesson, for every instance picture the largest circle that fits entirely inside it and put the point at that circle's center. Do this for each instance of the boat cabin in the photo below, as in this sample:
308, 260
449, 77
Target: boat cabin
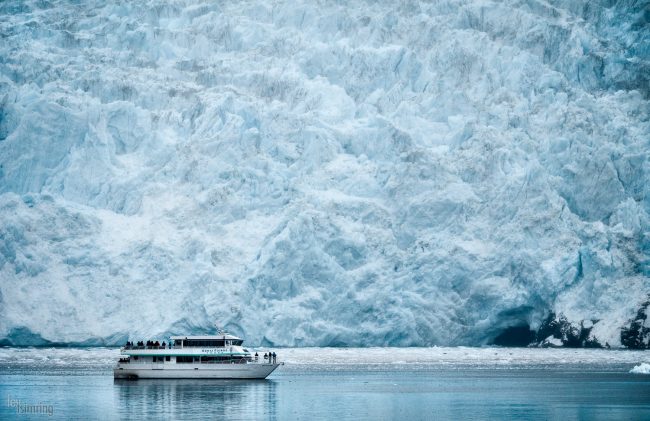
214, 349
220, 341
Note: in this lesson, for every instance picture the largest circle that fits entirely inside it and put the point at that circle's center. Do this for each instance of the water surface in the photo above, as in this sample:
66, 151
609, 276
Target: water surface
348, 384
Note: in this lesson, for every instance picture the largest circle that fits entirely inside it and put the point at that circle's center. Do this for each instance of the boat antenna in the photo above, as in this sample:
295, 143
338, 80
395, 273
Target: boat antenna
219, 330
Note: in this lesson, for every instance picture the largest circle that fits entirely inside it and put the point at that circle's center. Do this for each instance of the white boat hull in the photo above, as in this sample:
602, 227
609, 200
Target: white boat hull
194, 371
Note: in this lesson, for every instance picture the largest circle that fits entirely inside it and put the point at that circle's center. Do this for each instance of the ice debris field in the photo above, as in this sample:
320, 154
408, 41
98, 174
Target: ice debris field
81, 361
360, 174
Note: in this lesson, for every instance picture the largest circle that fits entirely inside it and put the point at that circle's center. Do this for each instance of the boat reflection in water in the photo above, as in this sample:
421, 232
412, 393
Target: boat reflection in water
171, 398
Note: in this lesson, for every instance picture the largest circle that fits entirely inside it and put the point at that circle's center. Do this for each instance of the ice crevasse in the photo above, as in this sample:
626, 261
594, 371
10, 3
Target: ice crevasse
361, 174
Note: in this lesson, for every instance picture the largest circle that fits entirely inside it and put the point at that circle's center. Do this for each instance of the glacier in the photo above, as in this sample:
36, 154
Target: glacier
332, 174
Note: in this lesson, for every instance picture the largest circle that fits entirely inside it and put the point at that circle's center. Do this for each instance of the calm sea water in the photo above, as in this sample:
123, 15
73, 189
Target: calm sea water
377, 384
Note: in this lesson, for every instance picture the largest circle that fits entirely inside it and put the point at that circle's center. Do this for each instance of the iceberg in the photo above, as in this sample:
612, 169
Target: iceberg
467, 172
643, 368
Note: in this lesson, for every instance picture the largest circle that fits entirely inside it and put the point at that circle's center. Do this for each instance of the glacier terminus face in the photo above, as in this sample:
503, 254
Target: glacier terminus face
411, 173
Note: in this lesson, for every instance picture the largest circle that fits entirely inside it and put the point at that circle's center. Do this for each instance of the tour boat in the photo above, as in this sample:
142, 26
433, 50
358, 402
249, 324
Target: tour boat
219, 356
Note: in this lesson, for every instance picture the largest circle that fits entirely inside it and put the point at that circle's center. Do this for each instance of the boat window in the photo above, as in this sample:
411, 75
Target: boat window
167, 358
219, 359
184, 359
135, 357
203, 343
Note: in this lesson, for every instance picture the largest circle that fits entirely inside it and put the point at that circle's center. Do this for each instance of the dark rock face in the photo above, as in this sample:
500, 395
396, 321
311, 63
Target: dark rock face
565, 333
557, 331
637, 334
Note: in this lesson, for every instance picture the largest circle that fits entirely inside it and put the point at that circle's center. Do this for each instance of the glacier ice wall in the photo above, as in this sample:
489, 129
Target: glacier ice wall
371, 173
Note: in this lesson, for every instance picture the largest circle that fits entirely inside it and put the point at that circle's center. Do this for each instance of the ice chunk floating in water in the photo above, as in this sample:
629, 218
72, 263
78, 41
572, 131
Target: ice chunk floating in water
643, 368
367, 174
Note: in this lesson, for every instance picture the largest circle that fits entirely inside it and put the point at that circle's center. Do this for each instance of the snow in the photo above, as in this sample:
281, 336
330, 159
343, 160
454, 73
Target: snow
365, 175
643, 368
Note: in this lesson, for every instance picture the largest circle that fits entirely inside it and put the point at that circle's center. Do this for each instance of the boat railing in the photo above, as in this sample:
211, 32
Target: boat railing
173, 347
252, 361
147, 347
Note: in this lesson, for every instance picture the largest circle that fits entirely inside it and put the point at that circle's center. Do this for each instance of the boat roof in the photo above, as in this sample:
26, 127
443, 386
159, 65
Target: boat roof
206, 338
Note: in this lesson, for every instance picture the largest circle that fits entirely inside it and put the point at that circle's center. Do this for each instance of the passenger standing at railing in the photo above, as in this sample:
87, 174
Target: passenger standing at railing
257, 357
